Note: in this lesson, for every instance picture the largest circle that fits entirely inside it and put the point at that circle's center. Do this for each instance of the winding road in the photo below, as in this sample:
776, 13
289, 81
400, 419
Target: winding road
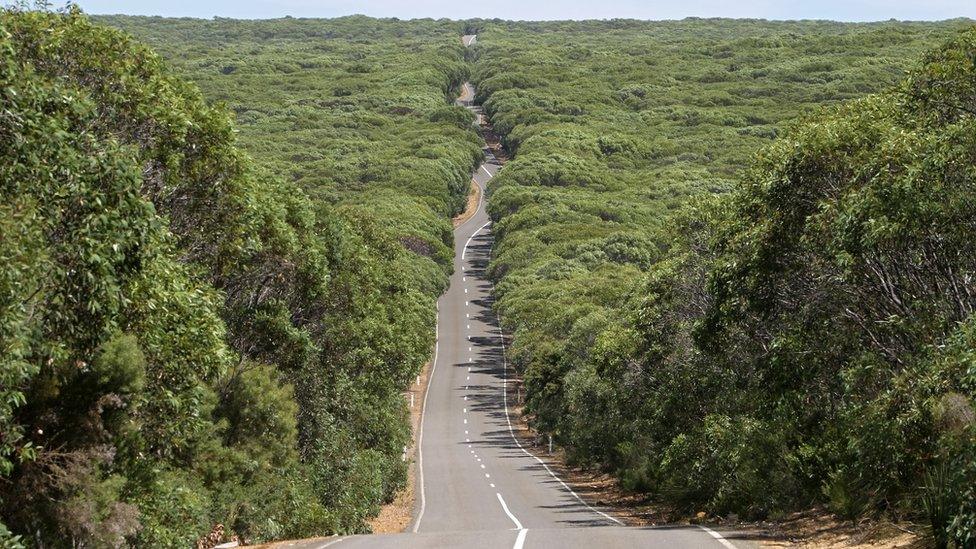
477, 485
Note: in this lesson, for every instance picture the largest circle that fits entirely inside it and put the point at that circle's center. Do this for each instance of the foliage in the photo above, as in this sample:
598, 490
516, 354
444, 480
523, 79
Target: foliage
354, 110
796, 340
614, 124
193, 336
189, 340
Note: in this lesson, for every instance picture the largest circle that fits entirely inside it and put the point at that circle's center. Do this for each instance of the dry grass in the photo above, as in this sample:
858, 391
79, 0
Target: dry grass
818, 528
474, 195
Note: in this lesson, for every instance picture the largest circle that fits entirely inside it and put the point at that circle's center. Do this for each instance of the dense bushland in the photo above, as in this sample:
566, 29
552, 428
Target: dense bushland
189, 338
192, 337
357, 111
807, 337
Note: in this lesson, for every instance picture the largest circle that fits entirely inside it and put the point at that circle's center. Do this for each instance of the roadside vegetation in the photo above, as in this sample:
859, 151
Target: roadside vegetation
191, 337
357, 112
736, 258
732, 297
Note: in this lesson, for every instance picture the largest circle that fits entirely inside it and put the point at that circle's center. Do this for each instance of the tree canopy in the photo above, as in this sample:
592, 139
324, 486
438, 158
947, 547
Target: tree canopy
732, 330
192, 337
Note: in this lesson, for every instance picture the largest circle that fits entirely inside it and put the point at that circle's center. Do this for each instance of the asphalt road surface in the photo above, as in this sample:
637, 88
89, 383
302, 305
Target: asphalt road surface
477, 485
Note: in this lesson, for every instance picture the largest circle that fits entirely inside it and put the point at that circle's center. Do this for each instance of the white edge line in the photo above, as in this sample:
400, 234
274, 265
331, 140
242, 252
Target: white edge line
481, 195
430, 376
520, 540
333, 542
518, 525
718, 537
474, 234
423, 417
481, 201
508, 419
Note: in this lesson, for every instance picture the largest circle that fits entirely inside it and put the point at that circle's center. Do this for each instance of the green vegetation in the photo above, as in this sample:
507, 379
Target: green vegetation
807, 337
190, 338
731, 296
358, 112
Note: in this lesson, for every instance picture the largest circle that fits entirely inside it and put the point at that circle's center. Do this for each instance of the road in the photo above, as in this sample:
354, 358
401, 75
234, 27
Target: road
477, 485
466, 99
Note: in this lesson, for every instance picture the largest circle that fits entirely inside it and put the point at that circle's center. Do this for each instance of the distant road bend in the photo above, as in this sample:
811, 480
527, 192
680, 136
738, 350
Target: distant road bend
477, 485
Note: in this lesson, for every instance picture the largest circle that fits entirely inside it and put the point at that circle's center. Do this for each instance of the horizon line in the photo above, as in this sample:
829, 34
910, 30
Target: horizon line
499, 19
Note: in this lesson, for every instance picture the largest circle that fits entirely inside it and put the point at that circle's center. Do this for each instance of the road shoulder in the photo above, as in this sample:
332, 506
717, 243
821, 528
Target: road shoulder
814, 528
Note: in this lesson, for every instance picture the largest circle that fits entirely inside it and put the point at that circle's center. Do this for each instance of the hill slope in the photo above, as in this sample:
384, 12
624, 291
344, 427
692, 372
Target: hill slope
804, 338
188, 339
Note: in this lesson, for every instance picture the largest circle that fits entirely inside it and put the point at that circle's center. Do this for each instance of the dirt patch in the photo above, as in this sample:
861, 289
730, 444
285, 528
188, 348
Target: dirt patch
396, 516
474, 195
815, 528
288, 543
818, 528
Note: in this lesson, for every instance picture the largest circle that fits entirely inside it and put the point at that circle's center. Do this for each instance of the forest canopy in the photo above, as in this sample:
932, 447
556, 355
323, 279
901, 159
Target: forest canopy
739, 331
735, 258
216, 339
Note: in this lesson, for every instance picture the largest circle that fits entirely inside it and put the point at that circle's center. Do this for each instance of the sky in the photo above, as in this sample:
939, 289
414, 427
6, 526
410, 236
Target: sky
841, 10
